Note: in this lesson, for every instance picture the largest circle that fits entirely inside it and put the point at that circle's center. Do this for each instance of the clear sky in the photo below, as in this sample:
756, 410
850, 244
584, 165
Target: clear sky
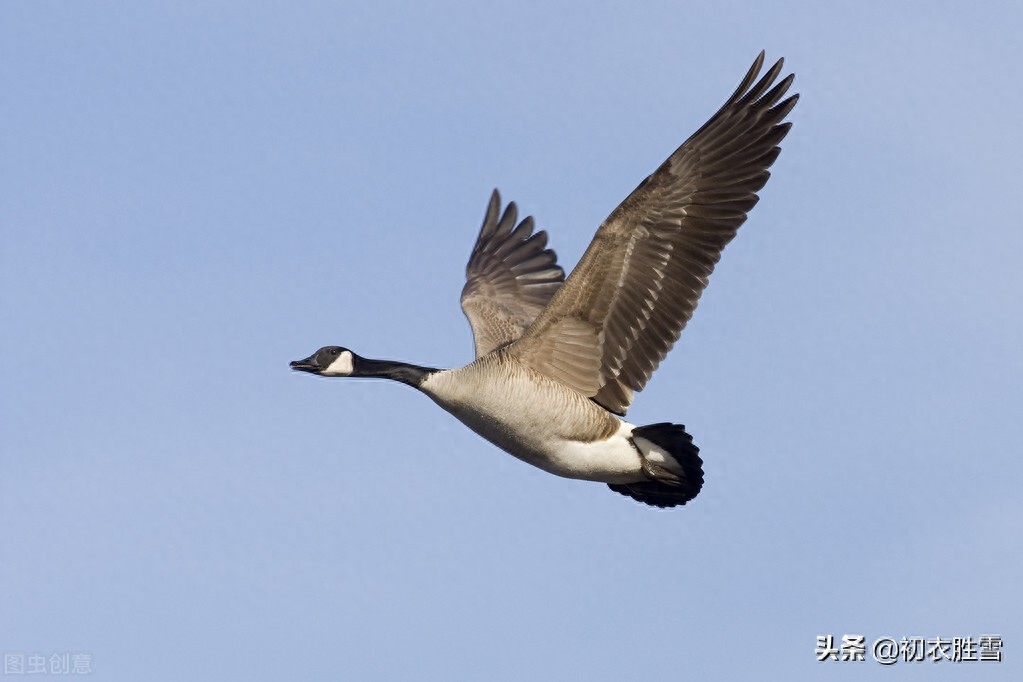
195, 194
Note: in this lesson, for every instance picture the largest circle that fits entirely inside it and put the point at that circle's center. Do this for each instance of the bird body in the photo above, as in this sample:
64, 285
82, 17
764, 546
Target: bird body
564, 433
559, 360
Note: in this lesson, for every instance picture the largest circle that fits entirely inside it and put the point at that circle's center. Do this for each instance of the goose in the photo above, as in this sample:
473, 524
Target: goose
559, 360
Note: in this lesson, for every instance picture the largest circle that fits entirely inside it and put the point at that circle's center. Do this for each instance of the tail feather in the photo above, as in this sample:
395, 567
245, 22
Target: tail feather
683, 483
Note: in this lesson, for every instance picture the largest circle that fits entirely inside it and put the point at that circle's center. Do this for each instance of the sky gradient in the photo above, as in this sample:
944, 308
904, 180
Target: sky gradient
196, 194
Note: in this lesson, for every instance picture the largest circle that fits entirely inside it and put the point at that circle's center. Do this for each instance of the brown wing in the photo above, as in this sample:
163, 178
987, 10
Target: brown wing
510, 277
639, 281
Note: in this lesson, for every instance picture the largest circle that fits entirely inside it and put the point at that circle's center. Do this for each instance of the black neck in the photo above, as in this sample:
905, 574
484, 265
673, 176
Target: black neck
413, 375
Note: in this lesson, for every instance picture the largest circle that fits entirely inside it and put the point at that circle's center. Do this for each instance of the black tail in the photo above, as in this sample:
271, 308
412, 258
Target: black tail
667, 488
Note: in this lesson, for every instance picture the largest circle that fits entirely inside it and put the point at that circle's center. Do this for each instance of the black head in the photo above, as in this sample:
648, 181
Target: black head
329, 361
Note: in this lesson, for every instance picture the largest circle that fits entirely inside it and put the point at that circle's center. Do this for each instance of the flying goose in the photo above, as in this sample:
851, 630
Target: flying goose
558, 360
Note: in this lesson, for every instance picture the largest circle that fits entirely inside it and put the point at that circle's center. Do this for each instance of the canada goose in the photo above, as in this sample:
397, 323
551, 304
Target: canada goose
558, 360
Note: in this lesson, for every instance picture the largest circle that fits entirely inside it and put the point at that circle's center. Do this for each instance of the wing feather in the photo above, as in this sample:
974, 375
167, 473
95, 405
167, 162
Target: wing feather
510, 277
641, 278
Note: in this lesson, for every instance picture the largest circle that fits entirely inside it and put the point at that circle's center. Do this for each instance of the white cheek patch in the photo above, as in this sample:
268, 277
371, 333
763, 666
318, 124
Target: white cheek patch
343, 366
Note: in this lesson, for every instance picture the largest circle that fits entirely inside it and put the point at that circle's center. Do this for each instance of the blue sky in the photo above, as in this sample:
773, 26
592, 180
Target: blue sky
195, 194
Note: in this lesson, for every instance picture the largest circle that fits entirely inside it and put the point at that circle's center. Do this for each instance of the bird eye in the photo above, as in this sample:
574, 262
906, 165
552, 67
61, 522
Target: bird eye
333, 351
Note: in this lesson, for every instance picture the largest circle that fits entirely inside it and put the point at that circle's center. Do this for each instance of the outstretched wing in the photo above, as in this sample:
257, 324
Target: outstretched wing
637, 285
510, 277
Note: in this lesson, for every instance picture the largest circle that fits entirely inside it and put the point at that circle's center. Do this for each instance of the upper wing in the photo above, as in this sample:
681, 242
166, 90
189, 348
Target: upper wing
510, 277
625, 304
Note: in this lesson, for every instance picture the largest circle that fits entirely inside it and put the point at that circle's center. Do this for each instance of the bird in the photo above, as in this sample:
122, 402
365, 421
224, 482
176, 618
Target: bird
558, 360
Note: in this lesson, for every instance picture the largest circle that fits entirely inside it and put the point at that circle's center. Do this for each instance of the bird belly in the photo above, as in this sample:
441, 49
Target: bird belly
565, 433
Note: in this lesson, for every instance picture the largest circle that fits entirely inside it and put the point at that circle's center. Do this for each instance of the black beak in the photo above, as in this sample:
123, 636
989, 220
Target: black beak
307, 365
